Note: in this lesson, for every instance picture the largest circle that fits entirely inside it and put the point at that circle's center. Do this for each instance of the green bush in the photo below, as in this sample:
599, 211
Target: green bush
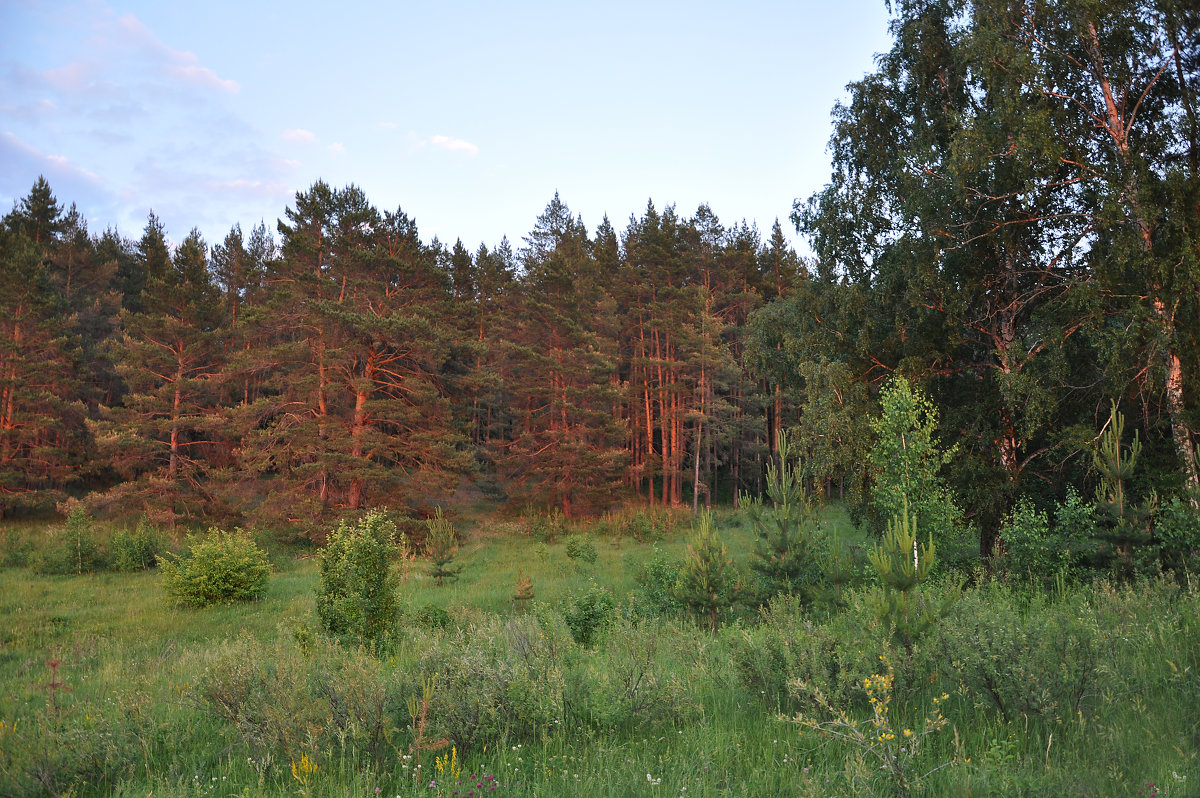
656, 576
357, 594
1043, 660
1030, 549
496, 680
219, 568
1177, 528
431, 616
581, 551
588, 612
708, 579
16, 550
73, 548
138, 550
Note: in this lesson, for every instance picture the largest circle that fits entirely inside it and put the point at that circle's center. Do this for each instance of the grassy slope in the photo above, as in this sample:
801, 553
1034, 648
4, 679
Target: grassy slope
133, 663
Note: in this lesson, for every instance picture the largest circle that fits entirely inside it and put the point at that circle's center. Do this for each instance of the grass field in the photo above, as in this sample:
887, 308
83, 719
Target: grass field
109, 690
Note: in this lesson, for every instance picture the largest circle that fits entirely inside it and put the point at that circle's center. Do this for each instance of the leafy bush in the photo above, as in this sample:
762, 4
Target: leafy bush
1030, 550
1041, 661
496, 680
587, 613
357, 594
16, 550
581, 551
283, 702
546, 527
907, 461
219, 568
73, 548
628, 685
431, 616
1177, 527
656, 577
138, 550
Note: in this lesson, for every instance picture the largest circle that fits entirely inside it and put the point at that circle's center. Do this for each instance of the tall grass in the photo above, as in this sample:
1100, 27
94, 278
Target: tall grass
110, 690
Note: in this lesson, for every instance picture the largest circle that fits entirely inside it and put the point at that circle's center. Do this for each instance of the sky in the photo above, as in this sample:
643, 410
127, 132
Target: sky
468, 116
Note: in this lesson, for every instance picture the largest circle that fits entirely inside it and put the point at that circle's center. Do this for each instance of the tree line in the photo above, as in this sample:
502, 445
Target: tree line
1010, 222
340, 362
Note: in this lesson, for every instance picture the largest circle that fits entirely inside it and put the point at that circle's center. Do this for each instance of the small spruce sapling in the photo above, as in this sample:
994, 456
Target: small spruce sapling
441, 547
708, 580
787, 556
1124, 526
524, 592
902, 565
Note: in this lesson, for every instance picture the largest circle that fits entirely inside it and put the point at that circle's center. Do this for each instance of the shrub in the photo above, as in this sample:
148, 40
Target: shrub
1043, 661
357, 594
431, 616
546, 527
220, 568
907, 461
138, 550
786, 553
441, 545
656, 577
73, 549
1177, 528
1029, 548
495, 680
581, 551
587, 613
16, 550
708, 581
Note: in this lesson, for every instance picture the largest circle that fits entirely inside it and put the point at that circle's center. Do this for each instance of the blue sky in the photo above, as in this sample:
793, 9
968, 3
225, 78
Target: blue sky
468, 116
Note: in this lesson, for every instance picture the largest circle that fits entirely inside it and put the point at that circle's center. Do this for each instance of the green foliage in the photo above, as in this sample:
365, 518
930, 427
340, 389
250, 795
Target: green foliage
902, 565
357, 595
656, 576
1075, 526
546, 527
788, 549
708, 581
1041, 661
588, 613
219, 568
1124, 527
73, 548
1177, 529
431, 616
1030, 550
283, 701
501, 682
907, 461
441, 547
581, 551
138, 550
16, 550
647, 526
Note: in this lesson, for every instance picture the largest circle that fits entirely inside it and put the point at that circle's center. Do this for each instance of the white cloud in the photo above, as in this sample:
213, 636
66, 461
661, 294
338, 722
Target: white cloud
299, 135
454, 145
193, 73
179, 64
337, 148
50, 164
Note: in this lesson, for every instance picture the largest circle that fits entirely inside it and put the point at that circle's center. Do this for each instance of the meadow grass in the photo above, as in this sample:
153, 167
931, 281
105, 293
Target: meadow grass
110, 690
